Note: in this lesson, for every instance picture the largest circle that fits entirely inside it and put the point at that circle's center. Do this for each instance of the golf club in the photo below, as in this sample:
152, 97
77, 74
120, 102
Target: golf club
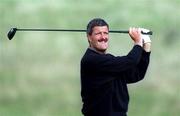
12, 31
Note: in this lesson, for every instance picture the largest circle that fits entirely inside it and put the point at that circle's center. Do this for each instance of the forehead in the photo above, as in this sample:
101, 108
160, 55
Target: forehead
100, 28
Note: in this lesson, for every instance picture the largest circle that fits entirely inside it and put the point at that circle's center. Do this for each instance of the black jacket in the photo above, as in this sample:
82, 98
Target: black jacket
104, 80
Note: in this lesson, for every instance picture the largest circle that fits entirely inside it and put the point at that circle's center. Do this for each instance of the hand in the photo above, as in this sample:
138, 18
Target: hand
135, 34
146, 38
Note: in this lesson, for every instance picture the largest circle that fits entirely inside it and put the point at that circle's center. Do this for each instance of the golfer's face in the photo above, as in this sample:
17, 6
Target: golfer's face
99, 38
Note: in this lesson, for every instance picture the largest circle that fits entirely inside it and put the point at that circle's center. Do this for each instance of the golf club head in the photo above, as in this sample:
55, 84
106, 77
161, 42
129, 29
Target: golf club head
11, 33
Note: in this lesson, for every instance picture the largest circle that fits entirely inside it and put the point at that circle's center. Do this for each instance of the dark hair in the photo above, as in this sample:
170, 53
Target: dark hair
95, 22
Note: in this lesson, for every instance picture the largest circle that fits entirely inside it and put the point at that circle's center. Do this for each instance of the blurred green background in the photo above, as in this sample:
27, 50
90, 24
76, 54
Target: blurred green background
40, 71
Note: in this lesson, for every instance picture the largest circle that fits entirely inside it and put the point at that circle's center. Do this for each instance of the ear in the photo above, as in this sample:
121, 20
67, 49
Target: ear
89, 38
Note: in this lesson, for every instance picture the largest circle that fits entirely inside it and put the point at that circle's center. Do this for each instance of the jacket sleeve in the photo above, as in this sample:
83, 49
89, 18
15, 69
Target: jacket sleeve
112, 64
104, 68
138, 72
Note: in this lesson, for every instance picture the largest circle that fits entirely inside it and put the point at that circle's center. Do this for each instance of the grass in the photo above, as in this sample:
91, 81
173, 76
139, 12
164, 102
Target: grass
39, 72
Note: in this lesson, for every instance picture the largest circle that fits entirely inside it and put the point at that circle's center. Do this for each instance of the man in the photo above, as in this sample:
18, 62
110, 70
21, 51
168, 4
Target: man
104, 77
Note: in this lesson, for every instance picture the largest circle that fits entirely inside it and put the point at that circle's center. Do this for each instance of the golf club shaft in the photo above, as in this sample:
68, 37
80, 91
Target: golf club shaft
68, 30
78, 30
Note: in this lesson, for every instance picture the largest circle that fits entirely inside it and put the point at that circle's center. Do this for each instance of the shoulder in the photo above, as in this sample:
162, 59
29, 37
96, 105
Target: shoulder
91, 56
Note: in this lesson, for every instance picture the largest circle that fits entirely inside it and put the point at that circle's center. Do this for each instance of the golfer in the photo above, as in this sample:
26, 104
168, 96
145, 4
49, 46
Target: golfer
104, 77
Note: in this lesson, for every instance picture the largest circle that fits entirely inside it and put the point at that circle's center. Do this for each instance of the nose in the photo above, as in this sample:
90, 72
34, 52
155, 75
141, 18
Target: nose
104, 35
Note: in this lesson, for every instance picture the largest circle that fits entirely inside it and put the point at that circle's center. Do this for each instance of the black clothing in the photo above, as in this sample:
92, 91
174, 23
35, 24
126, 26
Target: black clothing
104, 80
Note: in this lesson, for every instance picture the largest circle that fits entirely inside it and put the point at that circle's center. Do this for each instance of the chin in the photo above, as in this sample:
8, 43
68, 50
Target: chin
102, 50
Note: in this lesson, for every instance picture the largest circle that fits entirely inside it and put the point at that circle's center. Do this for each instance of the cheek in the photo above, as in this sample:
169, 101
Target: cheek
107, 36
94, 39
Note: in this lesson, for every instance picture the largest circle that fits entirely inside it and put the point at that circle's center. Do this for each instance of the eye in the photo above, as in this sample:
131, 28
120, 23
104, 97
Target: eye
106, 33
98, 33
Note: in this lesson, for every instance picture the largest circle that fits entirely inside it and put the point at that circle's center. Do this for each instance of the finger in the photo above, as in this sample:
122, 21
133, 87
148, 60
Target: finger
133, 29
139, 30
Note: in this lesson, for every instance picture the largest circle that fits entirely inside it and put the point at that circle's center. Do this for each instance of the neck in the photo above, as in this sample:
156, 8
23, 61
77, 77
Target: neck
100, 52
